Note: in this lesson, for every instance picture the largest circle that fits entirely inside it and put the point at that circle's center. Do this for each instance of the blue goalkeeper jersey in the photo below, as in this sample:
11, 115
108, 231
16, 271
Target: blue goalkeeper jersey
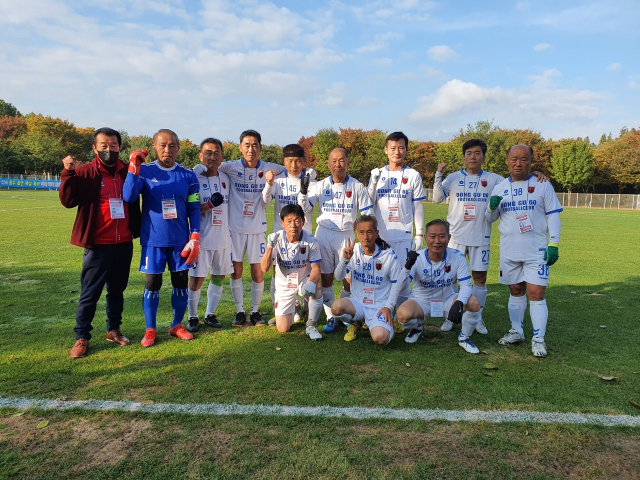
157, 184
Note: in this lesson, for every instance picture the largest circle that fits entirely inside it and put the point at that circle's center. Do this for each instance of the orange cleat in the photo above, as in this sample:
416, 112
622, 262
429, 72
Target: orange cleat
149, 338
180, 332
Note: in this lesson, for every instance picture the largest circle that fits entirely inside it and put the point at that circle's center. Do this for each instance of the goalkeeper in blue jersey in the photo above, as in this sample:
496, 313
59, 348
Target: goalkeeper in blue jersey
170, 230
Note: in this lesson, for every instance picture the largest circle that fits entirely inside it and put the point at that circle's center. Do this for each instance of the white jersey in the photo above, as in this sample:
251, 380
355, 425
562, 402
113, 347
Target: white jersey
523, 217
372, 276
394, 200
285, 191
438, 281
468, 199
339, 203
293, 261
246, 207
214, 224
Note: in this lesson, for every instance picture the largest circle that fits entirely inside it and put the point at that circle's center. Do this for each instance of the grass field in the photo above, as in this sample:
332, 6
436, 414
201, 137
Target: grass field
593, 330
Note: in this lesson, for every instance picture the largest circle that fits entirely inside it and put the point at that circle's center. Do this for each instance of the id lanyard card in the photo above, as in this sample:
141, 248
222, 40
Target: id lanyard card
369, 295
524, 223
437, 308
116, 208
292, 280
394, 215
248, 209
216, 217
469, 212
169, 210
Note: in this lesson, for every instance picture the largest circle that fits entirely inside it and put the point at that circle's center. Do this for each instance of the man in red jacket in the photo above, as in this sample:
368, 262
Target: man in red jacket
105, 227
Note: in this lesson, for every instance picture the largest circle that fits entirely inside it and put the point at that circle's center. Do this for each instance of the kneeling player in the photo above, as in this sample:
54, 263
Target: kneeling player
374, 287
436, 273
296, 256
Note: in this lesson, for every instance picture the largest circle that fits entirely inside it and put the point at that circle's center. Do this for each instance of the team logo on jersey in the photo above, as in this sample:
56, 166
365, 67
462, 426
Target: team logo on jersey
276, 305
205, 187
383, 179
348, 192
447, 268
224, 185
532, 189
483, 183
260, 174
239, 174
303, 250
282, 185
505, 192
461, 182
357, 261
378, 266
283, 250
405, 180
328, 192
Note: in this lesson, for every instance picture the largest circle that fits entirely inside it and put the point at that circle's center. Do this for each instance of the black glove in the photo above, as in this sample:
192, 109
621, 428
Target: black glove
216, 200
382, 244
412, 256
455, 312
304, 184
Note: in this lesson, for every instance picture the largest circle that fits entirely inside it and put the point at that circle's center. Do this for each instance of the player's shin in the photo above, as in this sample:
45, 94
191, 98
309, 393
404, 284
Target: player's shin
539, 315
194, 299
328, 296
150, 301
345, 294
214, 294
411, 323
469, 322
237, 293
257, 290
481, 294
517, 307
272, 290
315, 307
179, 301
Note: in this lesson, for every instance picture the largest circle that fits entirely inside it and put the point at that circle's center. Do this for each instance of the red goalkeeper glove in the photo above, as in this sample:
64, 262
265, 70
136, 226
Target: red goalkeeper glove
192, 249
136, 158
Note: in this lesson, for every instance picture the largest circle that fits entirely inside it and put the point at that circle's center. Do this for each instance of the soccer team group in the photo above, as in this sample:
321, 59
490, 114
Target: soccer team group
202, 223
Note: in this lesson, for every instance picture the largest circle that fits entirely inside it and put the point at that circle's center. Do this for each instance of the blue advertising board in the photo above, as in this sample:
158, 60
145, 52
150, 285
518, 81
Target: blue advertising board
36, 184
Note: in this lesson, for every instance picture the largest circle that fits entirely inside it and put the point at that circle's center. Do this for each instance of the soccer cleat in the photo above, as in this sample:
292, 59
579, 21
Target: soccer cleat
352, 332
149, 338
397, 326
241, 317
257, 319
330, 327
468, 345
180, 332
512, 337
414, 334
212, 321
80, 348
192, 324
538, 347
446, 326
313, 333
481, 328
272, 322
365, 327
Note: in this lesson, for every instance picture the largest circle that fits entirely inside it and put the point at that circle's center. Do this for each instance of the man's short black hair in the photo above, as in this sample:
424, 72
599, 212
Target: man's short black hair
293, 150
366, 218
109, 132
291, 208
211, 140
438, 221
251, 133
474, 142
520, 145
396, 137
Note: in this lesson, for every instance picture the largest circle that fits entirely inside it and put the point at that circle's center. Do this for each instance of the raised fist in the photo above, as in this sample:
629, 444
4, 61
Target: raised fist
304, 184
215, 200
69, 162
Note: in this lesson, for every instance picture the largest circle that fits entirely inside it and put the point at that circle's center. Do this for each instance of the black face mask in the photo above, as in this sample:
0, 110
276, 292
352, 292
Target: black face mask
108, 157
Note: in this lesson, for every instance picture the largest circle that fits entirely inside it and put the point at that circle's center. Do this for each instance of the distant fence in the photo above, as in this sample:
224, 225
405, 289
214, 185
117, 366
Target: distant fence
34, 182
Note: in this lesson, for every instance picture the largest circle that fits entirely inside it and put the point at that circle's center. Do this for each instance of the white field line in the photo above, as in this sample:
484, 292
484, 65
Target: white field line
29, 208
326, 411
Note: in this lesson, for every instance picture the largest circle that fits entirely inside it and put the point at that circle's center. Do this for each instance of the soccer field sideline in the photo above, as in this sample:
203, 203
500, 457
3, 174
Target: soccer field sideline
325, 411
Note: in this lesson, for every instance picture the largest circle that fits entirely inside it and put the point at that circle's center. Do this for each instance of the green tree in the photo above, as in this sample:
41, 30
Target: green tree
573, 164
325, 140
271, 153
6, 109
188, 154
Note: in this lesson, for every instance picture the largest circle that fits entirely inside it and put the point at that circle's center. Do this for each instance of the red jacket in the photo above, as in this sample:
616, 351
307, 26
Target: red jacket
81, 188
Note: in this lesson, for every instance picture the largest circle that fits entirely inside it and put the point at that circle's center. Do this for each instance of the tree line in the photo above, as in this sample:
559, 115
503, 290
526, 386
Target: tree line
35, 144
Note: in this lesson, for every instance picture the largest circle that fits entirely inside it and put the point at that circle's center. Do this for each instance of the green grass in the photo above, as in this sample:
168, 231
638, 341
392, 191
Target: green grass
594, 283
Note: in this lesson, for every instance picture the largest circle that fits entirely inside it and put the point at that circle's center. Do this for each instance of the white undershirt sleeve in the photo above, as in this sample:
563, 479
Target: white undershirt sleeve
438, 191
553, 223
418, 216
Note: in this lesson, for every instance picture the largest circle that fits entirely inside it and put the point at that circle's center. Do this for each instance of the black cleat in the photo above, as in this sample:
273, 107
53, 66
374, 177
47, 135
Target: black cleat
257, 319
192, 325
241, 317
212, 321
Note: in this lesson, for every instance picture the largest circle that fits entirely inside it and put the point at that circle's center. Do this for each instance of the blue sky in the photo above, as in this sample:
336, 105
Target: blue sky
287, 68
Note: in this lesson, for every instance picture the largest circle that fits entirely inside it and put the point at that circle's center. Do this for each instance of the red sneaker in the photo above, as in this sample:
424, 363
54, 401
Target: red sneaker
180, 332
149, 338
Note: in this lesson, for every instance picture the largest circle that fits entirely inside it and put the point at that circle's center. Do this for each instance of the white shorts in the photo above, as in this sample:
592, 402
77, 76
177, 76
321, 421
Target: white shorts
401, 248
369, 316
425, 305
254, 244
533, 272
285, 298
478, 256
215, 262
331, 244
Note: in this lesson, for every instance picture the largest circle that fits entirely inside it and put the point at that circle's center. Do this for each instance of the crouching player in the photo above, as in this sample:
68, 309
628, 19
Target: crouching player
374, 287
296, 256
436, 273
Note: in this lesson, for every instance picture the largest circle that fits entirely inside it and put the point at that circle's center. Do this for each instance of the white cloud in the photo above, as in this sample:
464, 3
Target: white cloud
441, 53
382, 62
380, 42
614, 67
333, 96
541, 47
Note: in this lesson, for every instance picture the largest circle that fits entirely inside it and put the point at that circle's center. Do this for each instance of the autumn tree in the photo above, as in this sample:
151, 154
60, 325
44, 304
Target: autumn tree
8, 110
572, 165
619, 160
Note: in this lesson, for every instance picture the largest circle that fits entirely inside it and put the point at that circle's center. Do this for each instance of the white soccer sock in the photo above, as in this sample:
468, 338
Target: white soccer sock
345, 317
237, 293
539, 314
345, 294
517, 306
411, 324
272, 290
257, 290
469, 322
315, 307
214, 294
194, 299
328, 296
481, 294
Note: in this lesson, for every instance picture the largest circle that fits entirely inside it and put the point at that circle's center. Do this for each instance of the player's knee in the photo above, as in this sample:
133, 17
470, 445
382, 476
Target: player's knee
153, 282
180, 279
403, 315
380, 337
217, 280
473, 305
